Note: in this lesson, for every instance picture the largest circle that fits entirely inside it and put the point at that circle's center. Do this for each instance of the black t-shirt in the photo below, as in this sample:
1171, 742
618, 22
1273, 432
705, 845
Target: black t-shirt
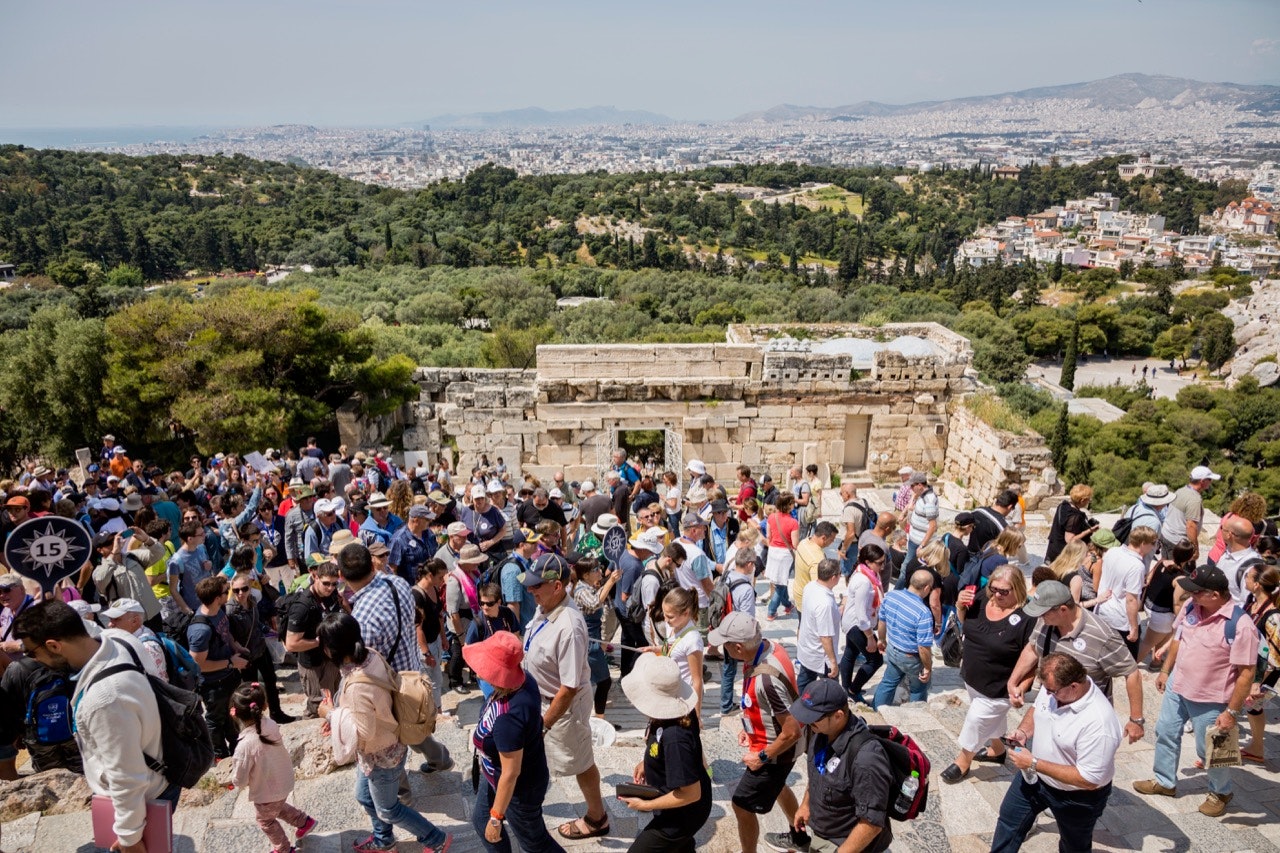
1159, 595
673, 759
1068, 519
428, 614
620, 502
991, 649
987, 524
305, 615
529, 515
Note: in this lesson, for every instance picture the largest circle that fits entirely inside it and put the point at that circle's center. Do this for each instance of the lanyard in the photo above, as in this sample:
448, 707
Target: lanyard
671, 641
743, 701
529, 640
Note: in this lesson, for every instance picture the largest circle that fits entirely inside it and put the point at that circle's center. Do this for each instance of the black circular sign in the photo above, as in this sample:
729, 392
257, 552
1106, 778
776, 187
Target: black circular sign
48, 549
615, 542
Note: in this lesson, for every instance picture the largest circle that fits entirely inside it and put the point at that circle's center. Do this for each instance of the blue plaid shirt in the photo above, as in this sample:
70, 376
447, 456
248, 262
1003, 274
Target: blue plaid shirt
374, 607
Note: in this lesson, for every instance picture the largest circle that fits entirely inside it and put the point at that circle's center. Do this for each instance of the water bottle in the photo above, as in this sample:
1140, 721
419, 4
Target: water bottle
908, 796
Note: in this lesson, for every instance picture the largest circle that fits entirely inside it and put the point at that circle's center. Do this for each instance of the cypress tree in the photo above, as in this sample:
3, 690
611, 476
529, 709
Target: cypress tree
1058, 441
1068, 379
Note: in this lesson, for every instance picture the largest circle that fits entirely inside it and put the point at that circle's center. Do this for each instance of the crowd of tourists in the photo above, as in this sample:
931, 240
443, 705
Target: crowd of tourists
387, 588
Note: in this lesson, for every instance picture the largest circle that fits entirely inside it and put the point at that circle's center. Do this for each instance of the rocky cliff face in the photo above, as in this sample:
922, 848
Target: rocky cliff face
1257, 335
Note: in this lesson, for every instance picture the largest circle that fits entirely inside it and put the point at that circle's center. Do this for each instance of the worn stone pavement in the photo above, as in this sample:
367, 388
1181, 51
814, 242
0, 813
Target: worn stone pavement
959, 818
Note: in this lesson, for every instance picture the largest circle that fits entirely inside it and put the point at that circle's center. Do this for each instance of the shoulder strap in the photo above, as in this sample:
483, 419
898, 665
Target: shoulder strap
395, 600
1049, 632
739, 582
1244, 568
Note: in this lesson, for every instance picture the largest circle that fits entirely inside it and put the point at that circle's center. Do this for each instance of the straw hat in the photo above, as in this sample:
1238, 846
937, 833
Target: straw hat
656, 689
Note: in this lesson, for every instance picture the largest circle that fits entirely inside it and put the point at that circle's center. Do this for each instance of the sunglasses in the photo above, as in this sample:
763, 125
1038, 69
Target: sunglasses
5, 590
327, 584
488, 604
240, 589
996, 590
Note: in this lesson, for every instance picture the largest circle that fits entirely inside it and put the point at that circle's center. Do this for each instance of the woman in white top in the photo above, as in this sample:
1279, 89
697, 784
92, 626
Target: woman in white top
683, 644
858, 622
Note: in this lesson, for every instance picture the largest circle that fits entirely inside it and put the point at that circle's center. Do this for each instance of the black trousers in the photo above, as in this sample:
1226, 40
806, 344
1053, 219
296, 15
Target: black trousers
217, 713
263, 669
633, 636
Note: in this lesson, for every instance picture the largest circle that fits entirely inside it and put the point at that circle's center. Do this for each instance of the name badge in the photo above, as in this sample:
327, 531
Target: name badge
1015, 619
1078, 644
833, 764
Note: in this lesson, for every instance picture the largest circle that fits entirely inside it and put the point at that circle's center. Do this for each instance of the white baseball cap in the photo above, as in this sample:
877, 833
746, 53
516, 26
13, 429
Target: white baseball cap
121, 606
1202, 472
588, 486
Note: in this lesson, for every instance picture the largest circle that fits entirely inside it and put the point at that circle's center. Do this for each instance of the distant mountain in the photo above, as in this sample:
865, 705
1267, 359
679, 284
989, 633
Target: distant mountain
538, 117
1121, 92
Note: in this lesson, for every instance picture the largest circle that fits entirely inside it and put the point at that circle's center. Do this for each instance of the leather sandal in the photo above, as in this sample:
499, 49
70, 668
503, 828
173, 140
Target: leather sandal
984, 755
598, 828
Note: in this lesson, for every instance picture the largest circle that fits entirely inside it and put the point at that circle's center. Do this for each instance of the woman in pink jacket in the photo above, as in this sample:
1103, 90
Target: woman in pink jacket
362, 711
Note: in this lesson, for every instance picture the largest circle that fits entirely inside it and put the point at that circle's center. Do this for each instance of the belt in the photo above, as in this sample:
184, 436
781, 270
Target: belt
914, 654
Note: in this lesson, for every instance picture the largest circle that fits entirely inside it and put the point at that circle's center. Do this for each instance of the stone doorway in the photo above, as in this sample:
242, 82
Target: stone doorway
857, 432
644, 444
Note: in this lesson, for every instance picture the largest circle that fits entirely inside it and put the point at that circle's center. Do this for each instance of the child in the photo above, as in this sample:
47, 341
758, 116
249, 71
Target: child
262, 765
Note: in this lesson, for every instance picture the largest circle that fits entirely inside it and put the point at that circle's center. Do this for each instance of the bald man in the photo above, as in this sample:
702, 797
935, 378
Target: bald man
1237, 535
906, 635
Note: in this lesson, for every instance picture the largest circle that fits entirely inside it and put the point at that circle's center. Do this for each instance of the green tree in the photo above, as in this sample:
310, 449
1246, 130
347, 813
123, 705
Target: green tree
511, 347
1173, 343
250, 368
1068, 379
1060, 441
51, 385
1217, 340
1000, 356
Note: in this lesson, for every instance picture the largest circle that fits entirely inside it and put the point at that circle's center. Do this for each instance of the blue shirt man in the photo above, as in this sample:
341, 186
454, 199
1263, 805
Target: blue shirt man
906, 633
515, 594
411, 545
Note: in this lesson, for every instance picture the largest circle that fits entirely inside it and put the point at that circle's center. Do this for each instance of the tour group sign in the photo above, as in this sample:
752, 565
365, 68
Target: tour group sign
48, 549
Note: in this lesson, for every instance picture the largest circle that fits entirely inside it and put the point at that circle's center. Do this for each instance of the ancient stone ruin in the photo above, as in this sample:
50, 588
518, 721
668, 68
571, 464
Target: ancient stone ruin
857, 400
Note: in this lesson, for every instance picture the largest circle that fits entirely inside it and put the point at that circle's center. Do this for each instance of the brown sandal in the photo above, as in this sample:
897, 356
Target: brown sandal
598, 828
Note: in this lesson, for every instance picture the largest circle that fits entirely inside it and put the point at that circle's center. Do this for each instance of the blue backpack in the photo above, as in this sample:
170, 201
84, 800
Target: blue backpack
182, 669
1228, 630
48, 720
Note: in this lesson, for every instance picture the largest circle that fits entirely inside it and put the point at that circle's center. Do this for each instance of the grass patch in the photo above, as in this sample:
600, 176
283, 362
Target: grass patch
995, 412
837, 198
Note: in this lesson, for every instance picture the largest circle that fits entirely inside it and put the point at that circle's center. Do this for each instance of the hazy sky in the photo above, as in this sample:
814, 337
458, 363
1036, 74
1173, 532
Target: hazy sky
77, 63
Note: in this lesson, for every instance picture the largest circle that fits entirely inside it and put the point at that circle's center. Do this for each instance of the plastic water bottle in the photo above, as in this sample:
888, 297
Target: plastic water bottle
908, 796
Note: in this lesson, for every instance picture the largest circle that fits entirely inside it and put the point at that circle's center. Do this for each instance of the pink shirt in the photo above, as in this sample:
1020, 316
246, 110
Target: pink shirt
1200, 674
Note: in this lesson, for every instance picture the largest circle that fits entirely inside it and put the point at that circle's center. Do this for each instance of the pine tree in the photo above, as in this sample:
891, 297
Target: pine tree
1055, 272
1068, 380
386, 236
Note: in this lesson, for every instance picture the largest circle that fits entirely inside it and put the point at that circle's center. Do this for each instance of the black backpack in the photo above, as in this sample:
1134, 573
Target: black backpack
665, 587
635, 611
185, 743
869, 516
176, 627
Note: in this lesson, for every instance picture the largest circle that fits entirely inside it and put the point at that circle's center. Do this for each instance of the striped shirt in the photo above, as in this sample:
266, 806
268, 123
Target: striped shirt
1100, 650
908, 621
767, 698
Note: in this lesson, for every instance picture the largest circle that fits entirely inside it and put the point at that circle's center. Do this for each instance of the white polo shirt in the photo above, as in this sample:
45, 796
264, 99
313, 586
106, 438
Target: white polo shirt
1084, 734
821, 619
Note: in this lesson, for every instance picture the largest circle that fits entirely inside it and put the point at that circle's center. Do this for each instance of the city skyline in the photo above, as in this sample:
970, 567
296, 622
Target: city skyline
394, 62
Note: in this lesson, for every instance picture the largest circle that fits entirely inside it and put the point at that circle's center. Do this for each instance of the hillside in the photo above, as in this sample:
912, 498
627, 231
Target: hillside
1120, 92
539, 117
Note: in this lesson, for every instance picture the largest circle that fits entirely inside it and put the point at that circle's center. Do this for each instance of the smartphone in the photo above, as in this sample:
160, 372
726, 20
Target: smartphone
1011, 743
127, 533
973, 587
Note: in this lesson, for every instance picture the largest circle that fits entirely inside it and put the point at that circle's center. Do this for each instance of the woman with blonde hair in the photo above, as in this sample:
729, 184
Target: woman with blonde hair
995, 632
933, 558
1066, 567
1069, 521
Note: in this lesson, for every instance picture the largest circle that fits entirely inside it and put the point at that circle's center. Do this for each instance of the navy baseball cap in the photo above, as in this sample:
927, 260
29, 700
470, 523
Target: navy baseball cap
820, 698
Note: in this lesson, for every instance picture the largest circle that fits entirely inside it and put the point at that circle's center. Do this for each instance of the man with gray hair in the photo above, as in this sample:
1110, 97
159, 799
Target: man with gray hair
819, 637
695, 573
1239, 556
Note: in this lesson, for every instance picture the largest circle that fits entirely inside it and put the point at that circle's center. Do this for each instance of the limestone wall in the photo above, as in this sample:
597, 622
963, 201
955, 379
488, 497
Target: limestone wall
981, 461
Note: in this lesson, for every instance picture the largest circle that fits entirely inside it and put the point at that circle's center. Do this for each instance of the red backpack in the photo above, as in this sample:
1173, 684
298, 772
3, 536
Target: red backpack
905, 757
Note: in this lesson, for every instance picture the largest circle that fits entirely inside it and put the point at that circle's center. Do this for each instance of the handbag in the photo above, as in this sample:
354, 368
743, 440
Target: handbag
952, 643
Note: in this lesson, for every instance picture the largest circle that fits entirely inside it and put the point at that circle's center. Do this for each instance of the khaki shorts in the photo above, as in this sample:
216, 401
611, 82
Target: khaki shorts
568, 744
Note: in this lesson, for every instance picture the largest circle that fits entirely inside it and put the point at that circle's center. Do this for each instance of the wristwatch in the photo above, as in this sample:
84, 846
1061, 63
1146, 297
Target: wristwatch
763, 756
1138, 721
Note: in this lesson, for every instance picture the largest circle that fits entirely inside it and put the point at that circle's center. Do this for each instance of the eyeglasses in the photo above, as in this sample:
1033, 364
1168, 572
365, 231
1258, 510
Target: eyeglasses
996, 590
1054, 691
5, 590
488, 604
240, 589
327, 584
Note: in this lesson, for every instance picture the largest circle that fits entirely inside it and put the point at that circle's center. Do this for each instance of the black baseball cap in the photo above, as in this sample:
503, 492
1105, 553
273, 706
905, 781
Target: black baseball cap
820, 698
1207, 578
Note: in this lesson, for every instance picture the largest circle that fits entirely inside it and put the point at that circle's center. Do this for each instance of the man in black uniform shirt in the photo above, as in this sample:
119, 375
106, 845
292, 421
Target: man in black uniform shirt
849, 775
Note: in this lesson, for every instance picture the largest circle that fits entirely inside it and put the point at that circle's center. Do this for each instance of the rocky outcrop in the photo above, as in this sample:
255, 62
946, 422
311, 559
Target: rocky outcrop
51, 792
1257, 335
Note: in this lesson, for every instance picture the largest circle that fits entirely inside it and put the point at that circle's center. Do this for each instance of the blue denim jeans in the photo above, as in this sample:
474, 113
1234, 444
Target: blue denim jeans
523, 820
379, 794
1174, 713
806, 676
1075, 812
908, 565
728, 675
780, 598
900, 666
